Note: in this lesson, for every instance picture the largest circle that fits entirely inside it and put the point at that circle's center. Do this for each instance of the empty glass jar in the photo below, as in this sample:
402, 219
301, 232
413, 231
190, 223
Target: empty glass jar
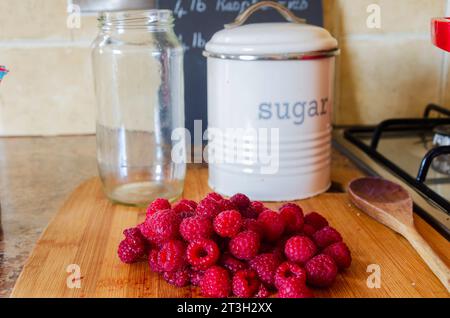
138, 70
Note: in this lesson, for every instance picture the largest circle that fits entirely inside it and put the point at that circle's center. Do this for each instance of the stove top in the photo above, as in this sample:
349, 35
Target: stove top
411, 152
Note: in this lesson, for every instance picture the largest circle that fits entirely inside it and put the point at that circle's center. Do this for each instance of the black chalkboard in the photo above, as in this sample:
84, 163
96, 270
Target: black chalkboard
195, 23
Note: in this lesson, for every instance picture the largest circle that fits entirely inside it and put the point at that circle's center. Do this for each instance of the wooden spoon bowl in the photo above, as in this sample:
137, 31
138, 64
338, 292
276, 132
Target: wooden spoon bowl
391, 205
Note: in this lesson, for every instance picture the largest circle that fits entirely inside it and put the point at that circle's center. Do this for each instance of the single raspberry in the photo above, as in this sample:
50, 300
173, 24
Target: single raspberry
272, 225
258, 206
214, 196
263, 292
288, 271
300, 249
196, 277
135, 238
245, 283
162, 226
292, 216
185, 208
171, 257
308, 230
202, 253
316, 220
133, 247
215, 283
153, 261
241, 201
129, 253
180, 278
254, 209
231, 263
294, 289
208, 208
228, 223
245, 245
226, 204
157, 205
252, 225
196, 227
321, 271
265, 265
326, 237
340, 253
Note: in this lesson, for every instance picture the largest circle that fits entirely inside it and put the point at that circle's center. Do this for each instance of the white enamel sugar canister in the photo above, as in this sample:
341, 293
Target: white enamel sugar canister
270, 100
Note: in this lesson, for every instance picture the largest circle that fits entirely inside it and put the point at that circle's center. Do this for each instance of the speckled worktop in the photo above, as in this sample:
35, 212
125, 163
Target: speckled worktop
37, 174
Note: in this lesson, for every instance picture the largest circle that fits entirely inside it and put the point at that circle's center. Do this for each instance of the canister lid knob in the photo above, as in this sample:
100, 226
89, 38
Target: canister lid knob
285, 12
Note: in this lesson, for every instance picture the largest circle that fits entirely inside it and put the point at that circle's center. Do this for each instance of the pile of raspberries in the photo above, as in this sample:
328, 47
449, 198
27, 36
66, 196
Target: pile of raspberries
237, 247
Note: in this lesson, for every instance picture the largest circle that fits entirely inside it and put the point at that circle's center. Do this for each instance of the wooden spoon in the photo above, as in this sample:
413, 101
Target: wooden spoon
391, 205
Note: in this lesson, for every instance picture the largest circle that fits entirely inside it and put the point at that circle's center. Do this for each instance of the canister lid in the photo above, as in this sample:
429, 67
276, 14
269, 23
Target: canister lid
292, 40
271, 38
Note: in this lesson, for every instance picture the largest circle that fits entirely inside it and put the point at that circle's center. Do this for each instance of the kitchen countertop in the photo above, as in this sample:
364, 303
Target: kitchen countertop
36, 176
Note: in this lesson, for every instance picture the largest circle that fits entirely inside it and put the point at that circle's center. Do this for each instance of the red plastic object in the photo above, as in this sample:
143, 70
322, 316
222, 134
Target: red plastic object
440, 29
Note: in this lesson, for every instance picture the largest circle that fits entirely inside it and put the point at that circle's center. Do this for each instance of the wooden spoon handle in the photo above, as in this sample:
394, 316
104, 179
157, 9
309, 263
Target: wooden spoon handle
433, 261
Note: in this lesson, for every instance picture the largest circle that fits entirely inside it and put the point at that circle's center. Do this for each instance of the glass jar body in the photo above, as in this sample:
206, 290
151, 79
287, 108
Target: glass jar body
138, 71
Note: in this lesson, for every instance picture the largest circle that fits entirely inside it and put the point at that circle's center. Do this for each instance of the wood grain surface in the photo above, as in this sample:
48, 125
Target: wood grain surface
88, 228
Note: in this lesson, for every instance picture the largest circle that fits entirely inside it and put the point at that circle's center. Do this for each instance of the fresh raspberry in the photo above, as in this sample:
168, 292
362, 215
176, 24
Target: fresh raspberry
288, 271
196, 227
245, 283
321, 271
265, 265
208, 208
202, 253
215, 283
252, 225
157, 205
340, 253
185, 208
263, 292
171, 257
226, 204
180, 278
272, 225
292, 216
133, 247
214, 196
300, 249
326, 237
231, 263
135, 238
153, 261
196, 277
308, 230
162, 226
294, 289
129, 253
257, 206
241, 201
254, 209
316, 220
245, 245
228, 223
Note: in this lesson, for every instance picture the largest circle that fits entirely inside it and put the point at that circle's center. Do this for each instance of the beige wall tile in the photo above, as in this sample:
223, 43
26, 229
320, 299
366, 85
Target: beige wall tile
88, 29
384, 79
33, 19
396, 15
48, 91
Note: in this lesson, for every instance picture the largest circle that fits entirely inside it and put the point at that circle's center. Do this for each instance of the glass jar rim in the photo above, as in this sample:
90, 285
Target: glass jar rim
136, 18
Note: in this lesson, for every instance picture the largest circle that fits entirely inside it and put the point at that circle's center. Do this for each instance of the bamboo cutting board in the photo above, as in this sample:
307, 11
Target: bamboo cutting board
88, 229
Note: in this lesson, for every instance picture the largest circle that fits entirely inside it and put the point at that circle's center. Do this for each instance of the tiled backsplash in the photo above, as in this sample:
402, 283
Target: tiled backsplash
385, 72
